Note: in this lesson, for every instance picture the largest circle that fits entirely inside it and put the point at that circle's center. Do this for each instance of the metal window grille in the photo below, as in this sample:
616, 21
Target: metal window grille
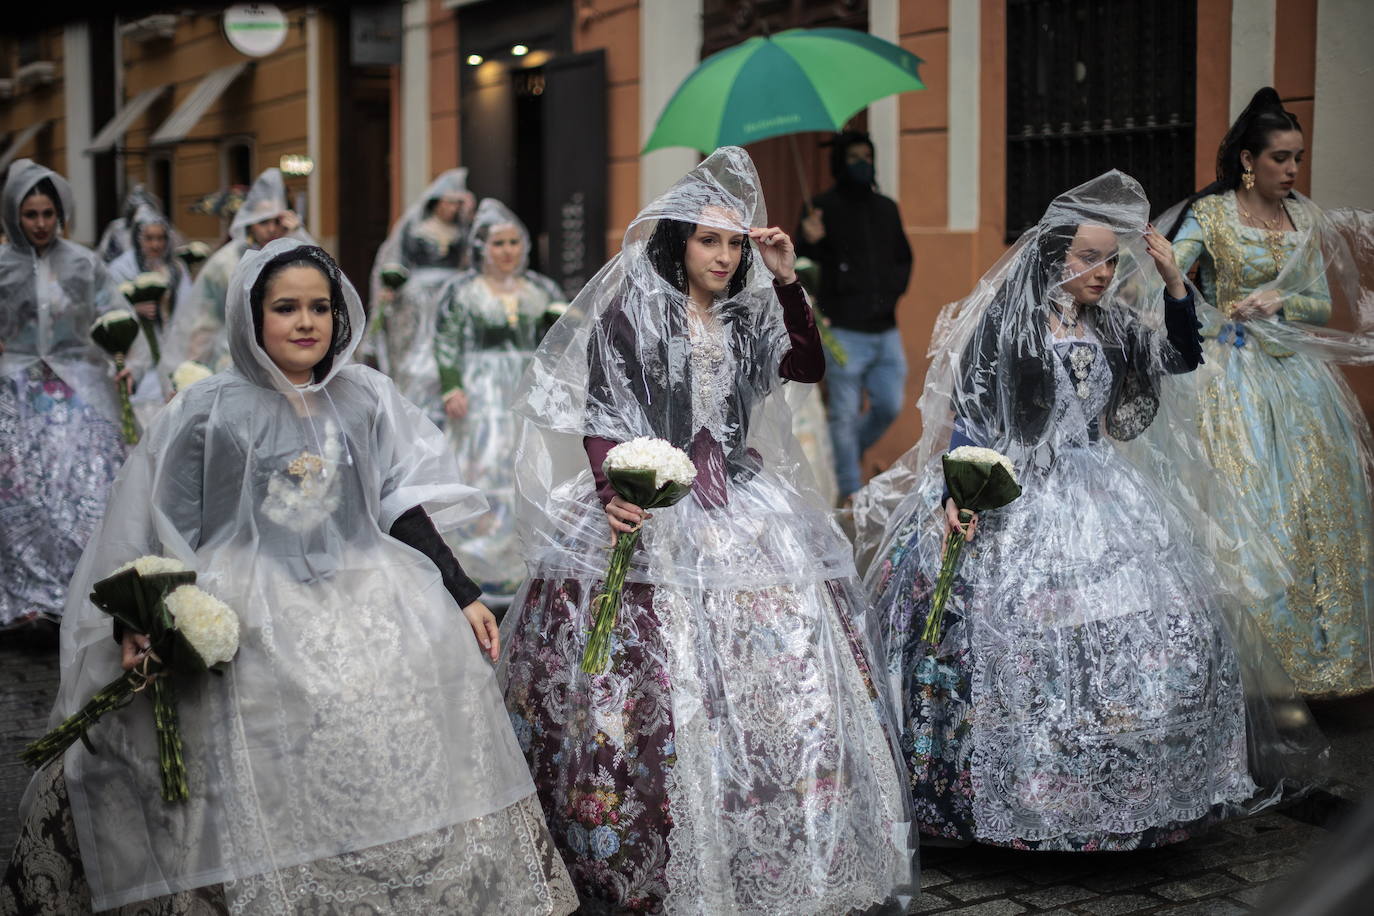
728, 22
1094, 85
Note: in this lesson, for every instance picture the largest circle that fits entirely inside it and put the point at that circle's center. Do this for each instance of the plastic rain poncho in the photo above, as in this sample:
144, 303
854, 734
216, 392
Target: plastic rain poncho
489, 323
1096, 686
1285, 437
117, 237
152, 391
197, 331
431, 250
737, 755
359, 713
60, 442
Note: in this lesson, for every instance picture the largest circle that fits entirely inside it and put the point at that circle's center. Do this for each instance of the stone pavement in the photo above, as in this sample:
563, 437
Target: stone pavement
1226, 871
28, 684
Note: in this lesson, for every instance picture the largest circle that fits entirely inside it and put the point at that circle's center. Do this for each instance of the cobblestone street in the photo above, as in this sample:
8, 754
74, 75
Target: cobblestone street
1229, 870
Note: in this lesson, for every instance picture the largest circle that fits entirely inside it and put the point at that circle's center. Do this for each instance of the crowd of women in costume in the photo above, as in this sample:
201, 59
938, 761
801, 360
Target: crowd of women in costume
1126, 648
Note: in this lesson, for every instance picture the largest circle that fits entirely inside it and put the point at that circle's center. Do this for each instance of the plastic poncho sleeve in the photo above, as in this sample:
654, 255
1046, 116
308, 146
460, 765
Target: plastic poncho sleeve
452, 339
417, 465
1313, 306
805, 361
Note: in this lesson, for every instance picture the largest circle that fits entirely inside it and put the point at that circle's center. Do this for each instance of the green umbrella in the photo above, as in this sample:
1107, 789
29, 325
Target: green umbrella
798, 80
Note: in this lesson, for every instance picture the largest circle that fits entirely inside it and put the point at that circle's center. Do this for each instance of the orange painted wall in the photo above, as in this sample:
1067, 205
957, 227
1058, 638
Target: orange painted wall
613, 25
1295, 70
43, 103
267, 103
444, 152
947, 262
1213, 102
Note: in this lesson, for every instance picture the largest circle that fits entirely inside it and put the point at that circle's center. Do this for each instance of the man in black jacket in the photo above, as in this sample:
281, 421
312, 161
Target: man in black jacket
855, 234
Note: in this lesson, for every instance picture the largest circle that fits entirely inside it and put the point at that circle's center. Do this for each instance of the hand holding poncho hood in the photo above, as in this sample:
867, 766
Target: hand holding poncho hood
744, 577
1094, 608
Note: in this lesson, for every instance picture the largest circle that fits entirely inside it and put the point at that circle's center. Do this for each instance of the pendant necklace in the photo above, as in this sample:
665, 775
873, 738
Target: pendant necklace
1272, 229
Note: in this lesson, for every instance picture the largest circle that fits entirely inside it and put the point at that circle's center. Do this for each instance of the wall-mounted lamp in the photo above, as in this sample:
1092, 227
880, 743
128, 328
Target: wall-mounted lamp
296, 165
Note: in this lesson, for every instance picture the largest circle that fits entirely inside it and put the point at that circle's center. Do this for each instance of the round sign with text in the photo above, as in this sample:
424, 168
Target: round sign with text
255, 29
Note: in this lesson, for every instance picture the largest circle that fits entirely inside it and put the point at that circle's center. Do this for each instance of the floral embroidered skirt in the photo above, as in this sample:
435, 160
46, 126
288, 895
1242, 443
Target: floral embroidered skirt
1085, 693
732, 759
455, 866
58, 457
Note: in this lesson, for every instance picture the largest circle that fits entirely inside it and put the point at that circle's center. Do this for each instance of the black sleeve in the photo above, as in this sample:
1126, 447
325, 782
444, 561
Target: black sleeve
414, 529
816, 251
902, 257
1181, 326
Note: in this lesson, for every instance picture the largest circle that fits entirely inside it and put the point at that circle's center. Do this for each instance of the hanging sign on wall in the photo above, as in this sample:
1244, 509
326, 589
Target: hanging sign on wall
255, 29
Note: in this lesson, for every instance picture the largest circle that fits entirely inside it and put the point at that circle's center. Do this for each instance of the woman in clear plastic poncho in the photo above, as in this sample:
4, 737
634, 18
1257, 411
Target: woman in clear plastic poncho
118, 239
1286, 439
60, 442
152, 239
1087, 690
735, 758
197, 331
356, 751
490, 320
430, 244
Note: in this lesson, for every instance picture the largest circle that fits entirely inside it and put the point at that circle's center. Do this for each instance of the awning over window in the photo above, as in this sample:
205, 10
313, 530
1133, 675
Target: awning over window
131, 112
21, 140
194, 106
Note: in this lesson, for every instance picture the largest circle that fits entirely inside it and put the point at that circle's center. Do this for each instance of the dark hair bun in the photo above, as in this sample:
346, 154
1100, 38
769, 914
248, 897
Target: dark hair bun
1265, 99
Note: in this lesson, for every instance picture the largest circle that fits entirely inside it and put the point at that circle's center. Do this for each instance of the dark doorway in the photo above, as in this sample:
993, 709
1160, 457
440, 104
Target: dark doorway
533, 129
364, 162
528, 193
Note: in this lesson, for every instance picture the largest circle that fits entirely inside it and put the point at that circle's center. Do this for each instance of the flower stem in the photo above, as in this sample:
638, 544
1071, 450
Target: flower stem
150, 334
949, 562
597, 656
173, 764
107, 699
126, 410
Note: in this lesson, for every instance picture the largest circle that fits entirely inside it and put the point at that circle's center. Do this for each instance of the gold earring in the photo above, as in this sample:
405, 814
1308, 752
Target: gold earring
1248, 179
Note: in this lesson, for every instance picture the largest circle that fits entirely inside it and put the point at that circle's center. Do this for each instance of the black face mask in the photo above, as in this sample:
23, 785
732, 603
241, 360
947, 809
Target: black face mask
859, 172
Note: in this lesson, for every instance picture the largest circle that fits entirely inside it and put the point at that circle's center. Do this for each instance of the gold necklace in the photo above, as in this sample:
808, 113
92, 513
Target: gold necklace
1272, 225
1272, 229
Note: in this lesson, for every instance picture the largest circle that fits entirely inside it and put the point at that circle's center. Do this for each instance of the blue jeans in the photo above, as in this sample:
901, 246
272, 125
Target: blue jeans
876, 366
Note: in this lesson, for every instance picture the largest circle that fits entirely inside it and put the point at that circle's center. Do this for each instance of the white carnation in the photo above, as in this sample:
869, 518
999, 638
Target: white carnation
152, 566
668, 462
187, 374
113, 317
209, 625
150, 278
984, 456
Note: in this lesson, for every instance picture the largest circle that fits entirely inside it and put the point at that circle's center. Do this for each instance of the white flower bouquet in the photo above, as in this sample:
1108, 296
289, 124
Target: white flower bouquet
652, 474
978, 479
115, 332
189, 632
552, 313
394, 276
187, 374
193, 253
149, 286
